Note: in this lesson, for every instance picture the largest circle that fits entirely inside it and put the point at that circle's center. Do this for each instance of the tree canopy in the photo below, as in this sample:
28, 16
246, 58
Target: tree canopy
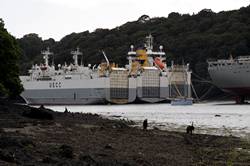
9, 72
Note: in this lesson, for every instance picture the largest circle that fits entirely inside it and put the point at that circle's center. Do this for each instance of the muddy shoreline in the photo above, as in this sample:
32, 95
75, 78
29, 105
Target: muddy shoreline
39, 136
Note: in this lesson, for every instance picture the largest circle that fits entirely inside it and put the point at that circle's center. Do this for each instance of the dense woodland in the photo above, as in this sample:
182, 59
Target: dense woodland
10, 85
186, 38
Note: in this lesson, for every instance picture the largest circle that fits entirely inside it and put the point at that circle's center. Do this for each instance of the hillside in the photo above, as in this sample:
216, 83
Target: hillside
189, 38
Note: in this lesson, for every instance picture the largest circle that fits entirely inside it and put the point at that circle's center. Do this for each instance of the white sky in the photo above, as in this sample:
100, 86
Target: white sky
57, 18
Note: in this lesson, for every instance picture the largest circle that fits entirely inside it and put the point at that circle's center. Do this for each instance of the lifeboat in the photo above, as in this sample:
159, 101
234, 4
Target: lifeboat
43, 67
159, 63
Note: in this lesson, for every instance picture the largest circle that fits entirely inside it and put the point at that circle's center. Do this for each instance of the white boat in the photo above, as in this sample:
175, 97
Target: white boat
182, 101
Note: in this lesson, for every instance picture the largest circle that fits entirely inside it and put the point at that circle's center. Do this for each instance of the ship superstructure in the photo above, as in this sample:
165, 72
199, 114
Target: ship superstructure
232, 75
150, 71
120, 88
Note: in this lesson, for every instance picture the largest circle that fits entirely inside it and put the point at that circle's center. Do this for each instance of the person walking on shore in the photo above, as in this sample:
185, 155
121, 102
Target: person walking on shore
145, 124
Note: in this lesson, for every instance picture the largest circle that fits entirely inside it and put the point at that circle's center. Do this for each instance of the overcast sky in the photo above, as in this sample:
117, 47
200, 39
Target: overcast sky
57, 18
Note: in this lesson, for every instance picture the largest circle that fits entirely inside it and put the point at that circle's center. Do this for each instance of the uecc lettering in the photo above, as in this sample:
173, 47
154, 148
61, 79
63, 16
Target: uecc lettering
55, 84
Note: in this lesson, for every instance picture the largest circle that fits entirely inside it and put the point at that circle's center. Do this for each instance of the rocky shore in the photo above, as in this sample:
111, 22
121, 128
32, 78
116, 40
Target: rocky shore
39, 136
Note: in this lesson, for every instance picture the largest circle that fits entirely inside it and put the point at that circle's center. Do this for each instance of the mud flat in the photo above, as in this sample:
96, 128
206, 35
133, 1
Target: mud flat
39, 136
223, 118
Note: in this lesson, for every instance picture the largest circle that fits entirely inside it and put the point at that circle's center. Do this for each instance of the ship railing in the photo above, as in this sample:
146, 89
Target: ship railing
179, 68
44, 78
239, 58
243, 58
220, 62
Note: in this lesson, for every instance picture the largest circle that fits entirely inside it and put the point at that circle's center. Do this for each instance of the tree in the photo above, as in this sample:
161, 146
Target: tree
10, 84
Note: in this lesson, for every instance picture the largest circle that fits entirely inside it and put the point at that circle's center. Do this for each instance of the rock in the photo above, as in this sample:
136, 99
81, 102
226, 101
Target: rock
49, 160
42, 106
116, 116
108, 146
7, 156
217, 115
119, 125
156, 128
141, 161
87, 159
188, 140
40, 113
66, 110
6, 142
66, 151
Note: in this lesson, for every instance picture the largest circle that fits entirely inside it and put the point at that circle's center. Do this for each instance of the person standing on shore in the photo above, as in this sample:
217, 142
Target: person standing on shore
145, 124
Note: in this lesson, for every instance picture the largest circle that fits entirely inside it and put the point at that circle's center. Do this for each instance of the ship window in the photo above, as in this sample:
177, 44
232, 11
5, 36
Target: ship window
67, 77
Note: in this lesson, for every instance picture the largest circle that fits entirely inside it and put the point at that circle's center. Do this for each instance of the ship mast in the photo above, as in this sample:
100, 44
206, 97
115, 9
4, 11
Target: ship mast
75, 55
149, 43
149, 47
46, 54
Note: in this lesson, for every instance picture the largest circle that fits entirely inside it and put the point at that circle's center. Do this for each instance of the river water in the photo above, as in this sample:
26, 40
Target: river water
218, 118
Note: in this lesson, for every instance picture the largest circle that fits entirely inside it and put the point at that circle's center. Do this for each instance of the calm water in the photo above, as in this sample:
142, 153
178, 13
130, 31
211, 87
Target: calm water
210, 118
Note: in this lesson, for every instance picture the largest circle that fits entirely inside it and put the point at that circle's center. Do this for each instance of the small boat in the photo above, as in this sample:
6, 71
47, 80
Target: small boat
182, 101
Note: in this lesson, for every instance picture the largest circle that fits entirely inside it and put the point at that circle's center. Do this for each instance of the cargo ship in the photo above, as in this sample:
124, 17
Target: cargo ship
232, 76
146, 78
70, 84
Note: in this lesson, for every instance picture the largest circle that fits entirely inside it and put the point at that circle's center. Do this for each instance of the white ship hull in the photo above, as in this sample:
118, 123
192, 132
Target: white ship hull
65, 96
82, 91
231, 77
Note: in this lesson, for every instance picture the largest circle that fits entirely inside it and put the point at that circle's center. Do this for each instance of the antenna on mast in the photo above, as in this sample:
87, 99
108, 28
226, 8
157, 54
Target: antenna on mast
46, 54
75, 55
149, 42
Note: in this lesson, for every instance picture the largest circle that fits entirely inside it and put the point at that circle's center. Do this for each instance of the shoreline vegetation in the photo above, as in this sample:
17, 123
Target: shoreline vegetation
40, 136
